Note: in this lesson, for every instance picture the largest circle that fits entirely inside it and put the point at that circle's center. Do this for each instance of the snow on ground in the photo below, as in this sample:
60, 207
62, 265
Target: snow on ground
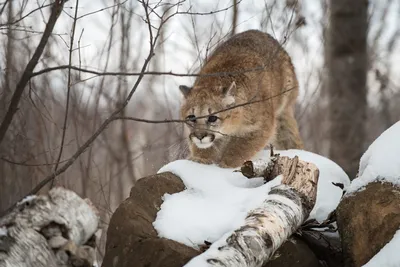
26, 199
217, 200
389, 255
380, 161
3, 231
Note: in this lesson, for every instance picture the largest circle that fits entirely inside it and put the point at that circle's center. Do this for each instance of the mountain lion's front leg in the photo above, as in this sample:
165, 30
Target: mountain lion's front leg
241, 149
204, 156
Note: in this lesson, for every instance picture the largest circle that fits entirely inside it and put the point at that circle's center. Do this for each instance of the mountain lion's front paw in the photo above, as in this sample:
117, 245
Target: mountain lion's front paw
226, 163
201, 160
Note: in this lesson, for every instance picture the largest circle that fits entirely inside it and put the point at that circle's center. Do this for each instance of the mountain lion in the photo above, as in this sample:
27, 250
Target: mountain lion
242, 100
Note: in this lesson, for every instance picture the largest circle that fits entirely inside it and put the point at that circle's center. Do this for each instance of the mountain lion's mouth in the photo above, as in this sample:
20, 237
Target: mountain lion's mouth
203, 143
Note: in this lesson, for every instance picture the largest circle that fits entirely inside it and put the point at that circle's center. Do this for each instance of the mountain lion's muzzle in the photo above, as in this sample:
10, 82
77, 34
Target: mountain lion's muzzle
202, 139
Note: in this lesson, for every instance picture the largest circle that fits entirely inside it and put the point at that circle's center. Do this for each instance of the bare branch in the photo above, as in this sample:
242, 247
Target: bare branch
3, 7
200, 117
170, 73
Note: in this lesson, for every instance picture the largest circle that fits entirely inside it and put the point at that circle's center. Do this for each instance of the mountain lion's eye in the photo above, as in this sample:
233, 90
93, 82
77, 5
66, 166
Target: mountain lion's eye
191, 118
212, 118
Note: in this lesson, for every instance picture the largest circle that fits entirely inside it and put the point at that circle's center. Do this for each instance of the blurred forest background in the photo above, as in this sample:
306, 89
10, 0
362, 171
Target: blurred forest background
72, 96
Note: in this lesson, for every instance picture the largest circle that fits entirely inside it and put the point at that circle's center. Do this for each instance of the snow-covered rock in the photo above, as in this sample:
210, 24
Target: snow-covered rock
381, 161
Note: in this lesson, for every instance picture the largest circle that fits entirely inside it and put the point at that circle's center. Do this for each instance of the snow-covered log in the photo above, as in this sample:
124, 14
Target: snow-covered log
50, 230
267, 227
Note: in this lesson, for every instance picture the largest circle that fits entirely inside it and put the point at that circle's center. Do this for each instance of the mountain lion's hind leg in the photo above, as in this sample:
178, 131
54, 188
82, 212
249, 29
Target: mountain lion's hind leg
288, 135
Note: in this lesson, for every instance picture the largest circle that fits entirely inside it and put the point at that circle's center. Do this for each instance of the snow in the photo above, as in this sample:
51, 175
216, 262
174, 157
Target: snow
381, 161
3, 231
26, 199
216, 200
389, 255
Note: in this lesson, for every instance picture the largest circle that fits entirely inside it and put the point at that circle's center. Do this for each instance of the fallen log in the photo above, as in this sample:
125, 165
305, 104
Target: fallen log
53, 230
266, 228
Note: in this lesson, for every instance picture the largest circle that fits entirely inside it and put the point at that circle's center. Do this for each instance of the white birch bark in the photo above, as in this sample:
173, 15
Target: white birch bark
266, 228
49, 230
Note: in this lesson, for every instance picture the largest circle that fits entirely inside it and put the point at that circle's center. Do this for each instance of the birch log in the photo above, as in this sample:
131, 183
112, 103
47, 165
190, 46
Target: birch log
266, 228
50, 230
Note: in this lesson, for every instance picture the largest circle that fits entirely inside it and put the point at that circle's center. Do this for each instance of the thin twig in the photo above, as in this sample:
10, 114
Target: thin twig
23, 81
210, 12
24, 16
64, 128
102, 9
31, 164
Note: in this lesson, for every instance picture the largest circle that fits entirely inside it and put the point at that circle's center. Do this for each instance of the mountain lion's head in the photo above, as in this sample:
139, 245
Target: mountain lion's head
209, 113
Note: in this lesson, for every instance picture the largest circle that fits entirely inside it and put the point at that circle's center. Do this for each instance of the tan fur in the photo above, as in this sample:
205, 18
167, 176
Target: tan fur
255, 68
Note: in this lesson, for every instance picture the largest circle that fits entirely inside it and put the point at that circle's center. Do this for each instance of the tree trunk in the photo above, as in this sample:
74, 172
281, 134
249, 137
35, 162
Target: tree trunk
346, 56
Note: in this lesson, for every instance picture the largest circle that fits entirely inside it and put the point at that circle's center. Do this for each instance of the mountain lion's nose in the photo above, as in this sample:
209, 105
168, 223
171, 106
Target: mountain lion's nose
200, 136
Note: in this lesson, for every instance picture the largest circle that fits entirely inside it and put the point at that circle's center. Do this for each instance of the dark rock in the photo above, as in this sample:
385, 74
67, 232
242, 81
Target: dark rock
367, 221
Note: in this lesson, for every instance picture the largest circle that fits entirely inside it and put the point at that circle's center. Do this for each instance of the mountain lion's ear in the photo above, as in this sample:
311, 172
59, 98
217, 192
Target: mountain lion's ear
185, 90
229, 99
231, 90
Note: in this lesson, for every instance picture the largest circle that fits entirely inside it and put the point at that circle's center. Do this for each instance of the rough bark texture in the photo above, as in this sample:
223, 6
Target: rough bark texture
133, 242
367, 220
346, 56
267, 227
49, 230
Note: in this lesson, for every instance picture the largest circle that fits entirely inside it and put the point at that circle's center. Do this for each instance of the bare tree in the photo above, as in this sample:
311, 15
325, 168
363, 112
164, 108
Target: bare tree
347, 72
